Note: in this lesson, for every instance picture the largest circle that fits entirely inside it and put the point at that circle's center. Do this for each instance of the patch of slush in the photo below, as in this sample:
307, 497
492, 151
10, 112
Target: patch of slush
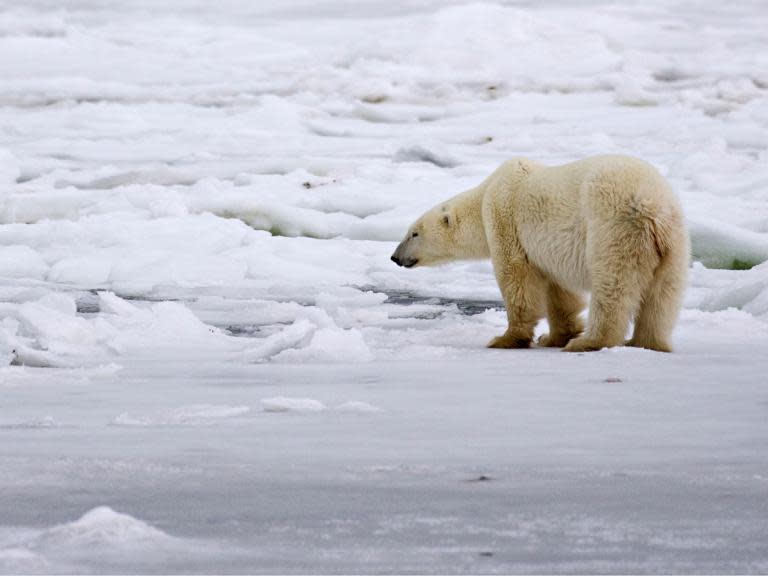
43, 423
357, 406
284, 404
191, 415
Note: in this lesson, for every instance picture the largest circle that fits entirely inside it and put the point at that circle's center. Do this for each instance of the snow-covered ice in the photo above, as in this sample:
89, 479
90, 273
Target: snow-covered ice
120, 539
209, 364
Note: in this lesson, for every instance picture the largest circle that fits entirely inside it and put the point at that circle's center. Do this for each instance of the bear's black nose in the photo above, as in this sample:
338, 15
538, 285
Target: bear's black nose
396, 260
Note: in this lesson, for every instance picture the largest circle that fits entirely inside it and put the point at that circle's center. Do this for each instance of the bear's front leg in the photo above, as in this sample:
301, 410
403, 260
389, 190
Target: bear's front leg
521, 288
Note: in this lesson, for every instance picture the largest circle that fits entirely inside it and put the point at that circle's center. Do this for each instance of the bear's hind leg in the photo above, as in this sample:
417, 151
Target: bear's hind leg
661, 301
563, 314
621, 271
610, 309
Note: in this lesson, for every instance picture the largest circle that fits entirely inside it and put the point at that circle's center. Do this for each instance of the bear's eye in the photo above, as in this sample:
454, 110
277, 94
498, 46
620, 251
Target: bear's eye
414, 235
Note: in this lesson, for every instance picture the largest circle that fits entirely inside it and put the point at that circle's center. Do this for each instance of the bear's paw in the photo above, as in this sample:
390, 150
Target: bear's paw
554, 339
510, 341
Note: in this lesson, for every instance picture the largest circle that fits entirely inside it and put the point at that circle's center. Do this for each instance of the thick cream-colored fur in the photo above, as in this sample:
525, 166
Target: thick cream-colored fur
609, 225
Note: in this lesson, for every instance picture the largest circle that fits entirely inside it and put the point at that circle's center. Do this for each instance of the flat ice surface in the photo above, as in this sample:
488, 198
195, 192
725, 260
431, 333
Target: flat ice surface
209, 364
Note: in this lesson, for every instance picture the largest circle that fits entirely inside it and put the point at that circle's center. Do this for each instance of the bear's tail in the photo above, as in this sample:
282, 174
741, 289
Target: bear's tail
662, 298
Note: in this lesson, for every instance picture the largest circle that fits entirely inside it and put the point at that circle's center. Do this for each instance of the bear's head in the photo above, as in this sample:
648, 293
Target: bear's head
450, 231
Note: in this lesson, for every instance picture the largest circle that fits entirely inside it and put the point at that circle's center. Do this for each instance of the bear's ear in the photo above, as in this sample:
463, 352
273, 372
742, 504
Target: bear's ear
446, 220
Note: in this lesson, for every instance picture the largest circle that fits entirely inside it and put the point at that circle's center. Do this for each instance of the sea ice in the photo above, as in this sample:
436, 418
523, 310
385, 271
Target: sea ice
197, 207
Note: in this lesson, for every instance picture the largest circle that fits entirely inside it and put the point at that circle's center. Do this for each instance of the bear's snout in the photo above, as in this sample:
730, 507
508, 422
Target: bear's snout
403, 254
403, 261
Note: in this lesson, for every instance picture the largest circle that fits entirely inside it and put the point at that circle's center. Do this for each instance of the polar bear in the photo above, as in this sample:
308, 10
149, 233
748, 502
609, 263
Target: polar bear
608, 225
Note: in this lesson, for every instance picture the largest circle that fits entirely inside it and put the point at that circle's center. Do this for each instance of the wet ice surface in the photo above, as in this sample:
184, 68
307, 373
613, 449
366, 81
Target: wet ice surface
209, 364
618, 461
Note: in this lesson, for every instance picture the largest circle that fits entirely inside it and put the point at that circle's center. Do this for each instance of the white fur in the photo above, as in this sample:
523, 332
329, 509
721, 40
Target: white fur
609, 225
